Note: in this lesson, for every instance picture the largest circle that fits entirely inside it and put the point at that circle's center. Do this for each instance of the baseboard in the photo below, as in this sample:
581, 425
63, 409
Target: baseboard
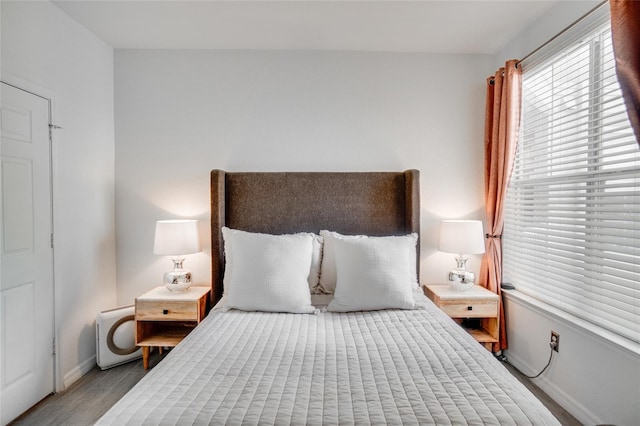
577, 410
79, 371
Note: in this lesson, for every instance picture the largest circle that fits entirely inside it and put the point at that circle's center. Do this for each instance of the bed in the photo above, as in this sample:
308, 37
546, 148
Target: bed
410, 364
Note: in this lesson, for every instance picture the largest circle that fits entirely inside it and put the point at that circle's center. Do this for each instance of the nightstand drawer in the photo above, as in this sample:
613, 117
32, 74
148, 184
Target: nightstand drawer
166, 310
470, 308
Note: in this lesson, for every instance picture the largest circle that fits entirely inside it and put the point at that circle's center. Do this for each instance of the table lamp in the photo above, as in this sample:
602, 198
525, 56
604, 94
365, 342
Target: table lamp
177, 238
461, 237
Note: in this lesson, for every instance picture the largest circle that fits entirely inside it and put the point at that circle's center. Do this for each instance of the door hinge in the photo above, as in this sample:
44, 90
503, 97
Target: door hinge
52, 240
54, 347
52, 127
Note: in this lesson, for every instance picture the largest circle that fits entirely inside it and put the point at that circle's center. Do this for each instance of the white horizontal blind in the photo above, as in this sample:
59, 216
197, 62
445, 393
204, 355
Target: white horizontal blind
572, 215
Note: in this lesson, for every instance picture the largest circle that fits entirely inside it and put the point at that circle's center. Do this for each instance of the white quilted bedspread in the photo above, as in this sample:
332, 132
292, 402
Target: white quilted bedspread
383, 367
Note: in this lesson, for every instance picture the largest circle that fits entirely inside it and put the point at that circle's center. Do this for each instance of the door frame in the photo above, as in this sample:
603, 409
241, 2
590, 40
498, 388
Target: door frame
49, 96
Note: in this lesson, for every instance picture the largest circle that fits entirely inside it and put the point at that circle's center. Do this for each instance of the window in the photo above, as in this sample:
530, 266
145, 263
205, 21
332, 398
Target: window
572, 214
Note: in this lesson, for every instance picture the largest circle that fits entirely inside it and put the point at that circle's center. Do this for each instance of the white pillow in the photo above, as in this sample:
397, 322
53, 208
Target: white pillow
328, 275
316, 261
316, 258
267, 272
328, 267
374, 273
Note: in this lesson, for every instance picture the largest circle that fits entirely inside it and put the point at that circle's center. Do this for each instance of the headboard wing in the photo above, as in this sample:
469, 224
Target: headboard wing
369, 203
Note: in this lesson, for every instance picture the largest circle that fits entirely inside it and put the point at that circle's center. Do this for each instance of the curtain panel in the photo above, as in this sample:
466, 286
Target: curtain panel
502, 124
625, 31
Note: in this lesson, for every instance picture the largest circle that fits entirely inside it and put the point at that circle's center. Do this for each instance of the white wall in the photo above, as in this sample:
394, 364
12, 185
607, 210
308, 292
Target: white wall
551, 23
43, 48
597, 381
592, 378
180, 114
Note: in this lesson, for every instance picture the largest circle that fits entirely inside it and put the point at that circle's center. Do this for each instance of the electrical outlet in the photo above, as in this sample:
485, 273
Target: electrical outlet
555, 341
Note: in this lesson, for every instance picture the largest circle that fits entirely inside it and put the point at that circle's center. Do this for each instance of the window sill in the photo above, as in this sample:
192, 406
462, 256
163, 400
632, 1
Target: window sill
588, 329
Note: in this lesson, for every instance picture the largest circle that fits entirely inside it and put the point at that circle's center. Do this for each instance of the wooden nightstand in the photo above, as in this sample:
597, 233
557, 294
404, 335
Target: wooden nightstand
164, 318
476, 310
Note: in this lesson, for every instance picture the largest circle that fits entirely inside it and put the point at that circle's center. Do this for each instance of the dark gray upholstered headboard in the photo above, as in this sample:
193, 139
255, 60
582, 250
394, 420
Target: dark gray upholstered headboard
369, 203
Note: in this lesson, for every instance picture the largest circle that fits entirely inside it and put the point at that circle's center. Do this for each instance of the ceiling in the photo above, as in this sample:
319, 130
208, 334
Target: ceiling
453, 26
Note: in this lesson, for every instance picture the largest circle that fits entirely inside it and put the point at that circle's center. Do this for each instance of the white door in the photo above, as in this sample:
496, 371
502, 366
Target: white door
26, 286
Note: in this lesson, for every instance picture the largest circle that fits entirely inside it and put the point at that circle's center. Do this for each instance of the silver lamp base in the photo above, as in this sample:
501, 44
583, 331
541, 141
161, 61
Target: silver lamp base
178, 279
460, 279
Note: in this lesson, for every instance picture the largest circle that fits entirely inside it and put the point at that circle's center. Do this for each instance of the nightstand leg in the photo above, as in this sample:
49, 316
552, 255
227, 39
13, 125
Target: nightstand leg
145, 357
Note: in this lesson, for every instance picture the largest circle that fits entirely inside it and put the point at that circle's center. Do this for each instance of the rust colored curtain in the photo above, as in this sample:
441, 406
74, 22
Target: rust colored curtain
625, 31
502, 122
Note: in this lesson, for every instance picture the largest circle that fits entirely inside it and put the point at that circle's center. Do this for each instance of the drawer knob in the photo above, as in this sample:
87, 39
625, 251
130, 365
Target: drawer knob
165, 311
469, 308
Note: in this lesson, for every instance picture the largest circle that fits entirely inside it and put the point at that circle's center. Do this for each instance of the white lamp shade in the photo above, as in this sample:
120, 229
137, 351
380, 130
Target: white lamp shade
176, 237
461, 236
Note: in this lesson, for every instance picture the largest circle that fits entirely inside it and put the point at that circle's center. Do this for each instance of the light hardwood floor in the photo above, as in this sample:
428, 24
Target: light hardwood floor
90, 397
85, 401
